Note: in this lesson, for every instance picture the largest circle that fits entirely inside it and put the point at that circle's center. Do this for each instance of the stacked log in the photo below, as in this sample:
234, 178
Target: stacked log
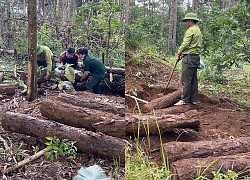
163, 102
8, 89
85, 111
201, 149
87, 141
101, 103
186, 169
144, 125
82, 117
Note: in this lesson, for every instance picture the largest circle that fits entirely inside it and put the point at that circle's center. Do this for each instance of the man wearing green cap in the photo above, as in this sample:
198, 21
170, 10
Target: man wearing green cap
189, 53
44, 55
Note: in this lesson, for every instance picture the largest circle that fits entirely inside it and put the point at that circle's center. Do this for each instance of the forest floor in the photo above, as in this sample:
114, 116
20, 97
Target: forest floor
22, 146
226, 119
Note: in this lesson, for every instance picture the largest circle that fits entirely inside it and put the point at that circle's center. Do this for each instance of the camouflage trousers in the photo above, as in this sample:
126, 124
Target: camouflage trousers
189, 80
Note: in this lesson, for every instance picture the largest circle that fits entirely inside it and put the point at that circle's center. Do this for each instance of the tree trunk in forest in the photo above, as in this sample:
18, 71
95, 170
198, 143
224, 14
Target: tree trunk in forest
162, 18
8, 33
87, 141
163, 102
194, 4
172, 26
129, 125
8, 89
93, 102
24, 8
201, 149
73, 115
186, 169
32, 57
127, 12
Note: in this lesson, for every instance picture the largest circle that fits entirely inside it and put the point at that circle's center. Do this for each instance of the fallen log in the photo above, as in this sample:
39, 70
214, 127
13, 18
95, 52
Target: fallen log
74, 116
115, 70
87, 141
163, 102
8, 89
147, 124
201, 149
92, 102
175, 109
187, 169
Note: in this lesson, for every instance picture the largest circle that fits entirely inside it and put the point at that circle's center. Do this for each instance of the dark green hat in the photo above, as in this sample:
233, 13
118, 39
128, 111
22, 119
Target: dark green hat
191, 16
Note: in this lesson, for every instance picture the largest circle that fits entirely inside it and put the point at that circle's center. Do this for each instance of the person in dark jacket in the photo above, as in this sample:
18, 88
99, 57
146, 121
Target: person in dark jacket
70, 57
92, 66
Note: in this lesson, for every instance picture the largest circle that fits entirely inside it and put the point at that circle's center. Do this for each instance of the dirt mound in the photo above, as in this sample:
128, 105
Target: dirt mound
219, 118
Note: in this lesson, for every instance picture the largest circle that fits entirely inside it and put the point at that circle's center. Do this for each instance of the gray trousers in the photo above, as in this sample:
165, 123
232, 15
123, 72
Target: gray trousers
189, 78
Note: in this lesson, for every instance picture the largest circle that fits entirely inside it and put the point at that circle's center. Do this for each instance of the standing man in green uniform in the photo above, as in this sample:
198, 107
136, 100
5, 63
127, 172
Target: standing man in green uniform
189, 53
44, 55
94, 67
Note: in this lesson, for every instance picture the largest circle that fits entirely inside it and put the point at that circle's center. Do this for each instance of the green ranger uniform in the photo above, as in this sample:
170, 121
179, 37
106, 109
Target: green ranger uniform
97, 69
44, 55
190, 49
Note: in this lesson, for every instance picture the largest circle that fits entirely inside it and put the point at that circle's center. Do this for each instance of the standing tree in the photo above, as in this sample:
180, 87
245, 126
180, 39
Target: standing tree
32, 45
172, 26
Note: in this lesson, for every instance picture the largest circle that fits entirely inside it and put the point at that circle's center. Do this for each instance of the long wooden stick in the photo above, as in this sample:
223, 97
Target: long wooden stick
27, 160
170, 78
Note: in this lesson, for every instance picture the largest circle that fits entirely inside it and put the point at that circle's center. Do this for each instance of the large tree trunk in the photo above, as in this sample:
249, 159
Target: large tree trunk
73, 115
91, 101
147, 124
127, 12
8, 89
87, 141
186, 169
163, 102
201, 149
32, 57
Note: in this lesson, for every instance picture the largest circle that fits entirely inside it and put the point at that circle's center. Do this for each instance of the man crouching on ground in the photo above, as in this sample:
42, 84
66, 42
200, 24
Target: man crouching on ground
95, 67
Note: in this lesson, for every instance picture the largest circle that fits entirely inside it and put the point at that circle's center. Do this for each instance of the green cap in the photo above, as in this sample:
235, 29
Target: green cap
191, 16
39, 50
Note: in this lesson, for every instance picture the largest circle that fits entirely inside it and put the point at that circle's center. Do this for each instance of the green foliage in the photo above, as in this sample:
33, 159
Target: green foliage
91, 173
226, 39
64, 148
101, 28
138, 166
47, 38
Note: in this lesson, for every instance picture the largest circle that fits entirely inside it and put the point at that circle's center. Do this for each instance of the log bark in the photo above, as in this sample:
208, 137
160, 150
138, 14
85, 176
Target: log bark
201, 149
163, 102
87, 141
8, 89
175, 109
129, 126
120, 71
186, 169
74, 116
102, 103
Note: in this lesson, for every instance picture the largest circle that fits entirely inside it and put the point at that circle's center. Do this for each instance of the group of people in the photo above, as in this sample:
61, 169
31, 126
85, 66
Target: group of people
188, 52
92, 65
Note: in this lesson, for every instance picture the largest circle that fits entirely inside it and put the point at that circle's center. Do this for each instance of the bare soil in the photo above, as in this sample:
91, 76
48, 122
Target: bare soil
219, 117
